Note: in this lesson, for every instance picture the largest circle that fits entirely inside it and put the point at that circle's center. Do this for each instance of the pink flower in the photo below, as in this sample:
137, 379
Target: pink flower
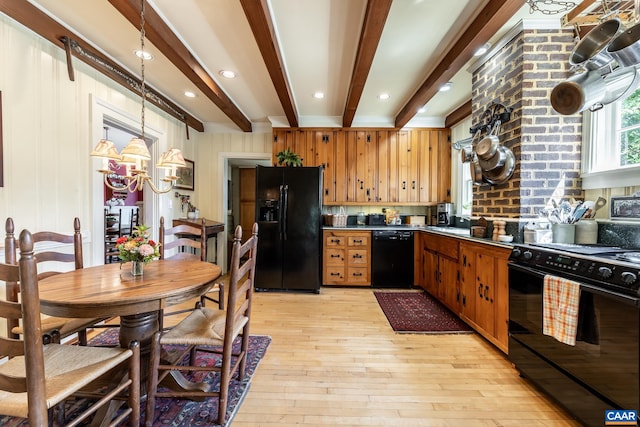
145, 249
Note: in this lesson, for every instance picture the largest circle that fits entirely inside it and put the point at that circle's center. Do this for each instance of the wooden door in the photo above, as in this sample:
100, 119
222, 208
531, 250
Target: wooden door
247, 200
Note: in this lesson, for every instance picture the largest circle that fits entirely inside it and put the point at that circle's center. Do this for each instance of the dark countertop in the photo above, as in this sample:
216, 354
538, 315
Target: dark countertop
461, 233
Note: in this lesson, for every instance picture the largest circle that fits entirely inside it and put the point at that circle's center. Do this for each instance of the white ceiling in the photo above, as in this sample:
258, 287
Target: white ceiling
318, 40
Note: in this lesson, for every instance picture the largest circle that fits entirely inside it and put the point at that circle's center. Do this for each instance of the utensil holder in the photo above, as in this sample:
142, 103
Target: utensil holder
563, 233
587, 231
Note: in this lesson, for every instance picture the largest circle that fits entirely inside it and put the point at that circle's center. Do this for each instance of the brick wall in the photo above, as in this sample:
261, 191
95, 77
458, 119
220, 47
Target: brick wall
546, 144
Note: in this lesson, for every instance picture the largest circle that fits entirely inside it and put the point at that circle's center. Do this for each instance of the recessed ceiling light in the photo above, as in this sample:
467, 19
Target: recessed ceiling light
445, 87
143, 54
422, 110
189, 94
482, 49
384, 96
318, 95
228, 74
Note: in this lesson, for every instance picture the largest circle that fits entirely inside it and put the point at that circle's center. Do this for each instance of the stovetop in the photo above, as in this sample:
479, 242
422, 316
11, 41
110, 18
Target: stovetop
605, 266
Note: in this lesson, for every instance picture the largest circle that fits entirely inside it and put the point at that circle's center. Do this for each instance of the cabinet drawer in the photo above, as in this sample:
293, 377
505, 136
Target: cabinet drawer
334, 256
360, 240
447, 246
331, 239
358, 257
334, 275
358, 275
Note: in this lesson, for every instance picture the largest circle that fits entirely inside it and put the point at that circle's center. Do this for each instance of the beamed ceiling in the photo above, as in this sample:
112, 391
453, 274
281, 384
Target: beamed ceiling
283, 51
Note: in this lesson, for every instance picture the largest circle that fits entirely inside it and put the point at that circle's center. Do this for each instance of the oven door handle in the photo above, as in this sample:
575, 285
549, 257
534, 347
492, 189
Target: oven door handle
625, 299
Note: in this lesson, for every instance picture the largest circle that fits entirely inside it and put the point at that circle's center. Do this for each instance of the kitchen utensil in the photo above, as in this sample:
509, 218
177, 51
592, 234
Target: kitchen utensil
466, 154
497, 160
600, 202
588, 205
486, 148
476, 172
502, 174
625, 48
591, 52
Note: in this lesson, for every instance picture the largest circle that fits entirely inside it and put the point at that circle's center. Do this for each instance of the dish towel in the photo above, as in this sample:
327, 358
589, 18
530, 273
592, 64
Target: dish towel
561, 299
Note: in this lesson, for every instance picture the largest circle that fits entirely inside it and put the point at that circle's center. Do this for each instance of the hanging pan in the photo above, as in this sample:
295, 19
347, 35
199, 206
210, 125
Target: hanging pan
501, 174
487, 147
495, 161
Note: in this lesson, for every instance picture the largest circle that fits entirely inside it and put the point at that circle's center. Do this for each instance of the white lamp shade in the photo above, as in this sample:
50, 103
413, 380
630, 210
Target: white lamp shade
136, 149
106, 149
172, 158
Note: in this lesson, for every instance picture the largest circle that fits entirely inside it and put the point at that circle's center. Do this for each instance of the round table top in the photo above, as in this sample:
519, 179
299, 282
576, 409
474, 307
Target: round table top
110, 289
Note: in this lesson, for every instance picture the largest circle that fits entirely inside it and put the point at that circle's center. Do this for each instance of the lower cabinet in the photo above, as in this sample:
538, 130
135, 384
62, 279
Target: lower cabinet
347, 258
440, 268
484, 286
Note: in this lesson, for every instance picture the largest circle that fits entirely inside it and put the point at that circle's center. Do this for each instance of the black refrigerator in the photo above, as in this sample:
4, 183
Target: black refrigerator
288, 212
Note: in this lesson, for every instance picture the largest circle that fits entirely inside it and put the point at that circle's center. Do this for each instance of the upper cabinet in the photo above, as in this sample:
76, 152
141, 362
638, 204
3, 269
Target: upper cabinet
375, 166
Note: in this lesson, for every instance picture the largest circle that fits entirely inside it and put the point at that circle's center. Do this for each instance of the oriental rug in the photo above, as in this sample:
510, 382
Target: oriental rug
182, 412
419, 312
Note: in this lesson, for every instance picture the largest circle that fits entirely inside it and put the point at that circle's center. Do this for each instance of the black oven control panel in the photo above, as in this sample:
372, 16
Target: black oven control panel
595, 270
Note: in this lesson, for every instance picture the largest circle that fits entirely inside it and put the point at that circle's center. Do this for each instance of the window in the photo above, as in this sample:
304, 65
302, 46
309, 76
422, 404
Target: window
611, 145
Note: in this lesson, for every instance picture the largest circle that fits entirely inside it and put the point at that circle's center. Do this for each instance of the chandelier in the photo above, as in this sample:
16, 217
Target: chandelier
135, 155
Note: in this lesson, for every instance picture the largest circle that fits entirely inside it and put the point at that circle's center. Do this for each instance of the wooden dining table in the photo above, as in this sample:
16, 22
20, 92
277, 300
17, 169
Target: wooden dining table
110, 290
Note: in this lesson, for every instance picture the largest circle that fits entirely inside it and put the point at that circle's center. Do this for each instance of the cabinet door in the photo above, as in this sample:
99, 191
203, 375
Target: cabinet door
485, 287
383, 179
351, 164
468, 282
442, 173
324, 143
341, 172
365, 159
431, 274
449, 282
282, 139
247, 200
501, 295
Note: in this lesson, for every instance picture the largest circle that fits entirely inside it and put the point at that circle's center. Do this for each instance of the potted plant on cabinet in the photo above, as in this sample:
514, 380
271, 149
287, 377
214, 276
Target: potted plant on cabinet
288, 158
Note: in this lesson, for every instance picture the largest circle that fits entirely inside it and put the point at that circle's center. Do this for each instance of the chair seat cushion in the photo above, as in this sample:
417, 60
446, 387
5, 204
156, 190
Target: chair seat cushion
67, 368
203, 326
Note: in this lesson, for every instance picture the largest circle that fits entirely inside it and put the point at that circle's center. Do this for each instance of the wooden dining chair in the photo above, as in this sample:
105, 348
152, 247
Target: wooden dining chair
112, 231
37, 378
206, 329
49, 261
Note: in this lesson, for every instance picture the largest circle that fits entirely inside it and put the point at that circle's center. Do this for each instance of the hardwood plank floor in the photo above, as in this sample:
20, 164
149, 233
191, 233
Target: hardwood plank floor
334, 360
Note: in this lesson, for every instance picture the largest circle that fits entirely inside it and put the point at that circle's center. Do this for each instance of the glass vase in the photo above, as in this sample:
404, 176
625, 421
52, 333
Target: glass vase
137, 268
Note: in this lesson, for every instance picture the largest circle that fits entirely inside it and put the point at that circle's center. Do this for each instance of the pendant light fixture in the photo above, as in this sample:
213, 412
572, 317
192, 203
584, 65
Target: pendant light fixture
136, 154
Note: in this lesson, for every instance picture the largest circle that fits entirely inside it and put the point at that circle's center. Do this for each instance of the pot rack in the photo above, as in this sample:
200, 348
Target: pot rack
590, 13
489, 118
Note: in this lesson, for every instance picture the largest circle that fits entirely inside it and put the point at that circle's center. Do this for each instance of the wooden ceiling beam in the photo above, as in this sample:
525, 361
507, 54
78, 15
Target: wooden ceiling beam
40, 23
261, 23
492, 17
159, 33
374, 19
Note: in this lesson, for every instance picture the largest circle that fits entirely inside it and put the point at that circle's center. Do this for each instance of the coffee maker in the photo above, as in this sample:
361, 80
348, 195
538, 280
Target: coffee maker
445, 214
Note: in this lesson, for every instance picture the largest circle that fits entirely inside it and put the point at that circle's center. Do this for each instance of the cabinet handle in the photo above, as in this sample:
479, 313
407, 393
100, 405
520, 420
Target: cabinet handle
362, 185
480, 290
335, 241
413, 185
486, 290
326, 191
357, 256
464, 300
335, 274
458, 296
335, 256
357, 241
404, 185
464, 260
368, 192
357, 274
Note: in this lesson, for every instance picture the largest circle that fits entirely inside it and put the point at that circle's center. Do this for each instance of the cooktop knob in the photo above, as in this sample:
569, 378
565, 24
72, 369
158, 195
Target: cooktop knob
527, 255
605, 272
516, 253
628, 277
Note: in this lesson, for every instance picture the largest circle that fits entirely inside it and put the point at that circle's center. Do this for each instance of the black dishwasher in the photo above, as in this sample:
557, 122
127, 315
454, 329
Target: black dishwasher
392, 259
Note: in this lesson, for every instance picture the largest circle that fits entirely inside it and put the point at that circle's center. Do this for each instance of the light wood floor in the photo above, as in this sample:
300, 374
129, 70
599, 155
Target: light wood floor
334, 360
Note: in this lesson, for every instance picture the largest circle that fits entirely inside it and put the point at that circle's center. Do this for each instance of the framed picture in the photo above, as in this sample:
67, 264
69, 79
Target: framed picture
186, 176
625, 208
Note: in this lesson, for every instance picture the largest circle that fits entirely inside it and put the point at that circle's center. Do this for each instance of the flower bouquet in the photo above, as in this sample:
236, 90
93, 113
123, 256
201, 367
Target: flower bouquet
138, 248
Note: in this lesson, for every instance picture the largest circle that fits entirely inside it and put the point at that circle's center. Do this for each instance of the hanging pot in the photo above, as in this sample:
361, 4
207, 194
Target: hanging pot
487, 147
476, 172
496, 161
625, 48
466, 154
501, 174
591, 52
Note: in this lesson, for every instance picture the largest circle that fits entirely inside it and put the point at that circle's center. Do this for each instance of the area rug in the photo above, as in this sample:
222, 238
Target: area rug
419, 312
182, 412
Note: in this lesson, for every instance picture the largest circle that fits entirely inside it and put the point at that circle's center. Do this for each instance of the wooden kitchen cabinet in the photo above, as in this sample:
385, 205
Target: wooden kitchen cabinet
347, 258
485, 290
375, 166
440, 268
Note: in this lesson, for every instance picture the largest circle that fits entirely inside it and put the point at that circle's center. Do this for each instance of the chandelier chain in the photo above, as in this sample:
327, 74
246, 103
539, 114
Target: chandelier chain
142, 53
542, 6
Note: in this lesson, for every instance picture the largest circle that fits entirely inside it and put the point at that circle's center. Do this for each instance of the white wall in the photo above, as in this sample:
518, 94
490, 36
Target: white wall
50, 126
